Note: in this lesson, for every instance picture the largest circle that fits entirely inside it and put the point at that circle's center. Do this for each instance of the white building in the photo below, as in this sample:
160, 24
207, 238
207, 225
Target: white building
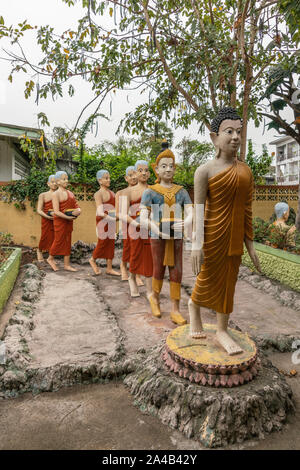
14, 163
287, 160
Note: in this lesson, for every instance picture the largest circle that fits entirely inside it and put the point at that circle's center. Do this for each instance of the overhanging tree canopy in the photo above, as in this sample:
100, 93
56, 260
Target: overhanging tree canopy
192, 57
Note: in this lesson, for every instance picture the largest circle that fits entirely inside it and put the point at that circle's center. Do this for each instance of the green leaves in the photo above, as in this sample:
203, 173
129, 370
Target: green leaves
279, 104
259, 164
191, 55
29, 88
43, 120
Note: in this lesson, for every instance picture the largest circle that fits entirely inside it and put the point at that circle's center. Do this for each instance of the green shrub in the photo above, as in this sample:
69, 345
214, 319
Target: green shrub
278, 236
260, 230
5, 238
99, 159
28, 188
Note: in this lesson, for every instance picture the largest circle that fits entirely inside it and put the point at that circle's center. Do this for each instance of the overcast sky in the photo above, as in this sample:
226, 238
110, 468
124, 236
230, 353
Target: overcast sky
15, 109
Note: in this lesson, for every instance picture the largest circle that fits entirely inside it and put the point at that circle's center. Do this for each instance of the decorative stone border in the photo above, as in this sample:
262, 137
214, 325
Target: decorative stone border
283, 293
17, 376
8, 275
217, 417
212, 374
278, 265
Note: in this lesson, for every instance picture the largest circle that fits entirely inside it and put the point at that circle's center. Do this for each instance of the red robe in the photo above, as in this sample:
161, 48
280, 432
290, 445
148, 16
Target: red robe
47, 229
105, 247
140, 249
63, 228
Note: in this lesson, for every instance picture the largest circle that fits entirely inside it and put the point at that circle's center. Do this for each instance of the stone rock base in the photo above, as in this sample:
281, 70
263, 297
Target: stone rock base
204, 361
216, 417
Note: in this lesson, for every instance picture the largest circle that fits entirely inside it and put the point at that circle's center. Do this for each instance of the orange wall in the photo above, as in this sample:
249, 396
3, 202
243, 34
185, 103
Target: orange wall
25, 225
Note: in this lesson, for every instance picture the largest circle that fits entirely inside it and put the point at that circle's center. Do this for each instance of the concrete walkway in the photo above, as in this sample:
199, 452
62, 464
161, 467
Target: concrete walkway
70, 322
102, 417
80, 318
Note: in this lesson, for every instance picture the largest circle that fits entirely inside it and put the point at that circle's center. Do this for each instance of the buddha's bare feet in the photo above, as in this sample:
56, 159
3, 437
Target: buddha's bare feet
196, 328
139, 281
69, 268
112, 272
96, 270
134, 292
52, 263
230, 346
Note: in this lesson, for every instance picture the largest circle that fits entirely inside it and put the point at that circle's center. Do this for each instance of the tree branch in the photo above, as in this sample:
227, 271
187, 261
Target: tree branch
284, 125
163, 60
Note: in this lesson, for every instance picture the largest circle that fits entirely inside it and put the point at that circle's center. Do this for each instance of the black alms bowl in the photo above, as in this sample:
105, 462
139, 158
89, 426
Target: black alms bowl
69, 212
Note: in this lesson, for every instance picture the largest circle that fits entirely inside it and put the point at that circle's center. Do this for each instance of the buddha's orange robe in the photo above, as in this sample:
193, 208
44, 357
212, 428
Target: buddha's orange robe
47, 229
105, 248
140, 249
63, 228
228, 220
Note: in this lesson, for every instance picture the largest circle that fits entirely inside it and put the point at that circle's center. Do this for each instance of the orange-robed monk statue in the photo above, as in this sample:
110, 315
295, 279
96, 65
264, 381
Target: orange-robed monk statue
65, 209
105, 223
45, 210
131, 180
140, 250
224, 185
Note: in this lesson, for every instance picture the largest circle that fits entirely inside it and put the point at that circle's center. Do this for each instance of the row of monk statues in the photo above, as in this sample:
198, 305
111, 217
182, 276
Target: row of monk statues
152, 221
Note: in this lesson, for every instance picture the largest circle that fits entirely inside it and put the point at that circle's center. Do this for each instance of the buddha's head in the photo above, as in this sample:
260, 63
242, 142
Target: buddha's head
142, 171
282, 211
61, 179
103, 178
164, 166
52, 183
226, 132
131, 176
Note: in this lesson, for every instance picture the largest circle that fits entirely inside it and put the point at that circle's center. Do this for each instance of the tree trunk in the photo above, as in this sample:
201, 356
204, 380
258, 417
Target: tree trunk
245, 123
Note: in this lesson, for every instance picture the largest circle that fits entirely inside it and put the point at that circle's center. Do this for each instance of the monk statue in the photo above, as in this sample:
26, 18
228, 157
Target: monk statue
140, 250
224, 186
131, 180
166, 203
282, 212
66, 209
106, 224
45, 210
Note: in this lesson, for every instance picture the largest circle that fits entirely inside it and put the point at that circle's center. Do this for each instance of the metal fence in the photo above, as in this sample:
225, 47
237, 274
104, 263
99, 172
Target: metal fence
84, 192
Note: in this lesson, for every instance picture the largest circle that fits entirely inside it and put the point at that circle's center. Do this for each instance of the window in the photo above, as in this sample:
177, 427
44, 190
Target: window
20, 167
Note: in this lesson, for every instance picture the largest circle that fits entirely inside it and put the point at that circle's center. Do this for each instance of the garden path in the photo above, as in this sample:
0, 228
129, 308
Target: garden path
80, 316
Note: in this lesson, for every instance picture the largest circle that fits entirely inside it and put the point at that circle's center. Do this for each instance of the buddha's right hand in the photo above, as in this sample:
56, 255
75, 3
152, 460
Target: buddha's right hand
197, 261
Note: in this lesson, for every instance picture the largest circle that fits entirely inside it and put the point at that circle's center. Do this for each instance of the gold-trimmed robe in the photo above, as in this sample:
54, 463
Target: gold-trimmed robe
228, 220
